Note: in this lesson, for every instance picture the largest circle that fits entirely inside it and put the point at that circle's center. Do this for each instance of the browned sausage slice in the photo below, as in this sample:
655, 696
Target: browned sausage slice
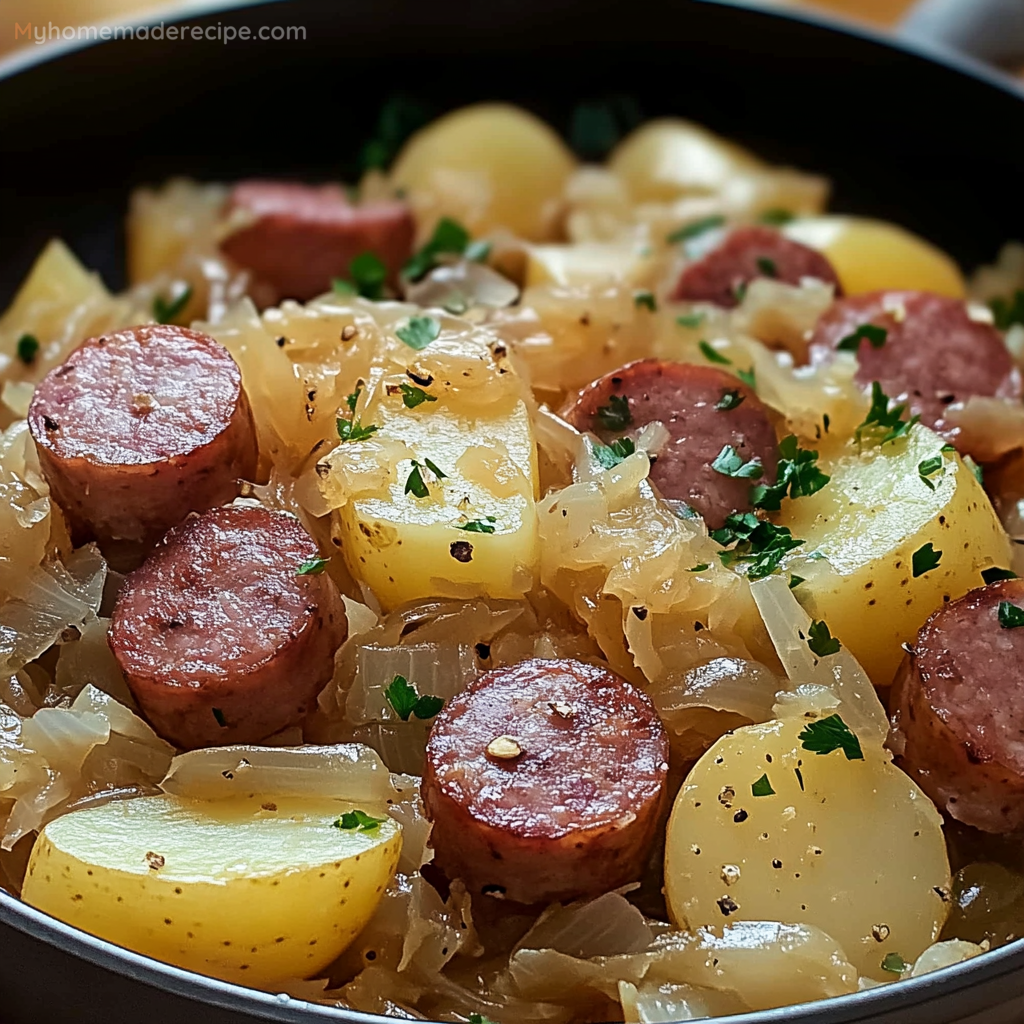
544, 781
704, 409
138, 428
958, 710
220, 639
746, 254
296, 238
933, 353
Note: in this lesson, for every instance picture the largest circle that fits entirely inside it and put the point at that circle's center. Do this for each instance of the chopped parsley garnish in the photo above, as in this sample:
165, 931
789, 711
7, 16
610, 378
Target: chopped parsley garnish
699, 568
419, 332
798, 475
312, 567
994, 574
747, 376
712, 355
882, 423
729, 400
767, 266
1010, 616
615, 415
353, 430
695, 229
895, 964
485, 525
979, 473
411, 397
645, 299
360, 821
729, 462
1007, 312
342, 286
828, 734
399, 117
740, 291
405, 701
866, 332
219, 716
612, 454
927, 468
352, 400
777, 216
450, 238
762, 787
595, 126
165, 310
760, 545
414, 482
367, 274
28, 347
479, 1018
924, 560
795, 581
691, 320
821, 642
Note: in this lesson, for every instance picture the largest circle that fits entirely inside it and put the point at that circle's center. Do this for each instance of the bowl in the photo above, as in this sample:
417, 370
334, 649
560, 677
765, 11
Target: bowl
926, 139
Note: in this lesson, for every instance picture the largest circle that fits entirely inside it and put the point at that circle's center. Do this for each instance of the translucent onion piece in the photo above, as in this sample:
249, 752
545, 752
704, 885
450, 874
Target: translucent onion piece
787, 622
407, 809
746, 688
457, 287
606, 926
17, 396
945, 954
651, 1003
90, 661
988, 427
348, 772
781, 315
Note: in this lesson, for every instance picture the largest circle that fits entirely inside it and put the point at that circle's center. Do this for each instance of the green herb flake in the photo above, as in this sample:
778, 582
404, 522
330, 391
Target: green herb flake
927, 468
821, 642
695, 228
762, 787
883, 424
646, 300
767, 266
28, 348
828, 734
353, 430
866, 332
433, 469
1007, 312
412, 397
485, 525
341, 286
615, 415
352, 400
399, 117
979, 473
414, 484
690, 320
925, 559
777, 216
699, 568
760, 545
405, 701
478, 251
748, 378
1010, 616
609, 456
358, 821
712, 355
219, 716
729, 400
312, 567
729, 462
994, 574
479, 1018
795, 581
368, 274
165, 310
419, 332
798, 476
895, 964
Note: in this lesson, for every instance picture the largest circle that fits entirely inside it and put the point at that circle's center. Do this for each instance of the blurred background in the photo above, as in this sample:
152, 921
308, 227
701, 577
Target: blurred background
83, 12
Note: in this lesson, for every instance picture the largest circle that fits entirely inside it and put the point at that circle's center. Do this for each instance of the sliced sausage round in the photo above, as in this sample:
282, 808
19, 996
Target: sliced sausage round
932, 355
140, 427
295, 238
704, 409
745, 254
219, 637
958, 709
544, 781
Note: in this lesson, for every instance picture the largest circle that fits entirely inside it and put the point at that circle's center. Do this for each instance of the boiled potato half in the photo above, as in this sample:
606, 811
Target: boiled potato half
873, 254
489, 166
867, 524
852, 847
245, 890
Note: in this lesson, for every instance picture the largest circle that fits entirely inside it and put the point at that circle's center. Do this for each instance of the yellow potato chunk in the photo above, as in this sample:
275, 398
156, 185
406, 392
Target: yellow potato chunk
589, 263
873, 254
848, 846
865, 526
489, 166
245, 890
665, 159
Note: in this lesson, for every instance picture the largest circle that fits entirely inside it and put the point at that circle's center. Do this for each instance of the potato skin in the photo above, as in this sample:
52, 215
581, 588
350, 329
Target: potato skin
867, 522
851, 847
230, 889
